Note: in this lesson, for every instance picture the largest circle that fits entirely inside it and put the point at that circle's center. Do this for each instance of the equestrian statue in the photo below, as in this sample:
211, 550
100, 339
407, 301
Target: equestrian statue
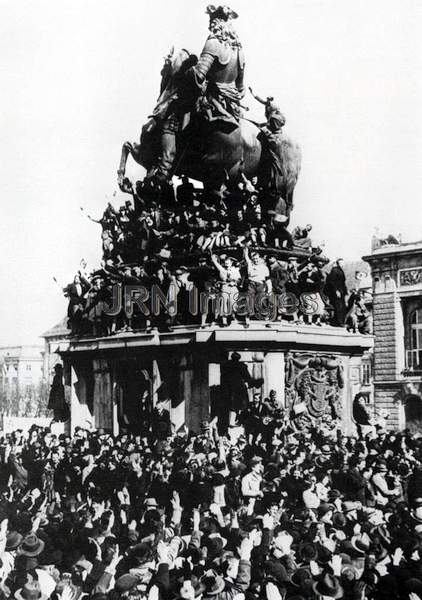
197, 128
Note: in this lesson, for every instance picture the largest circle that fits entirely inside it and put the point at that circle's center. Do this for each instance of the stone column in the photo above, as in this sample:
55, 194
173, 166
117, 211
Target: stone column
200, 401
186, 383
178, 409
103, 398
116, 395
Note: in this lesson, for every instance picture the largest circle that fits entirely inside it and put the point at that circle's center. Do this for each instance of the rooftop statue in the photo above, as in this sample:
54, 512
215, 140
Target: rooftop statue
197, 128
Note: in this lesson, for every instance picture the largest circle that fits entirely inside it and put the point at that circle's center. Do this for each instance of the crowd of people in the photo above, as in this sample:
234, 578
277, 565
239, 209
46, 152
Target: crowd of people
270, 514
234, 250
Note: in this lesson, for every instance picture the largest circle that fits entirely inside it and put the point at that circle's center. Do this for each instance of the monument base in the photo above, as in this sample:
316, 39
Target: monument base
314, 370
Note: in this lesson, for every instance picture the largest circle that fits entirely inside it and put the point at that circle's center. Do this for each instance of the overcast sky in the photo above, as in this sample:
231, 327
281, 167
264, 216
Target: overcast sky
79, 77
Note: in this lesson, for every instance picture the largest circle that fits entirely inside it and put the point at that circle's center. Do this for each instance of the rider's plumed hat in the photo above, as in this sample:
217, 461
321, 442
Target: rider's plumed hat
220, 12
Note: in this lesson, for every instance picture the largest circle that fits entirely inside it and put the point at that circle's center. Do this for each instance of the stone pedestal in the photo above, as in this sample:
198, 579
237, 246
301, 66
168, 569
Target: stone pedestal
313, 370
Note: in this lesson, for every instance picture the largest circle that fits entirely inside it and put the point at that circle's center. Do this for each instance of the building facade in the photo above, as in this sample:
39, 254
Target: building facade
397, 313
22, 390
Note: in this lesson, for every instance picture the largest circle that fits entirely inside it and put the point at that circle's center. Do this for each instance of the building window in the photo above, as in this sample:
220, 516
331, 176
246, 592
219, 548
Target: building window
366, 373
414, 341
28, 367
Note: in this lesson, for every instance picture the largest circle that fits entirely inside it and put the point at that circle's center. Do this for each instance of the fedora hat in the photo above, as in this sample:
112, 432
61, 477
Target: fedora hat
361, 543
31, 546
349, 573
151, 503
13, 540
334, 494
328, 586
308, 552
30, 591
381, 466
324, 508
215, 544
417, 514
300, 576
339, 520
125, 583
322, 462
213, 583
275, 570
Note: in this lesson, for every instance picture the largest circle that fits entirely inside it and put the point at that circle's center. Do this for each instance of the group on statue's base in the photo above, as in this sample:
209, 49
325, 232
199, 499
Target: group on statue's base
175, 240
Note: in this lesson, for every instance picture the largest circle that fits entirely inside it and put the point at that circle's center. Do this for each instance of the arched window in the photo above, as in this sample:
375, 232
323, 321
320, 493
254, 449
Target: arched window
414, 345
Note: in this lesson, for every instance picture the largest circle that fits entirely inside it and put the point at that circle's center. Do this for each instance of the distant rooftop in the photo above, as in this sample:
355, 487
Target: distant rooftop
393, 245
24, 351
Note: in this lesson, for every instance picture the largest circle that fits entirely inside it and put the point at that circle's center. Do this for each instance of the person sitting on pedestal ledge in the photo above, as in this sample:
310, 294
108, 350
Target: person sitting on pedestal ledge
300, 236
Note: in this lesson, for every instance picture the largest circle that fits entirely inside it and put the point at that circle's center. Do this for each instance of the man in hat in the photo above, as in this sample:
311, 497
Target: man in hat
218, 77
160, 418
56, 401
336, 290
382, 492
215, 587
235, 381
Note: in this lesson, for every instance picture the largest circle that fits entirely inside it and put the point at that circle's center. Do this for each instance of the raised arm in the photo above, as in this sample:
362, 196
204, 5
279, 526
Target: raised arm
246, 256
258, 98
217, 265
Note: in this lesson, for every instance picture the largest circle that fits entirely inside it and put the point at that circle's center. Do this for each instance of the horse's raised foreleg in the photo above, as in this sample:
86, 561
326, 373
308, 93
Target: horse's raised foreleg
127, 149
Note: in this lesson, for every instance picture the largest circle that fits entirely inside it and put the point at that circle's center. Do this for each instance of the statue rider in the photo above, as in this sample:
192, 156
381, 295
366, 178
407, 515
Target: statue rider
217, 78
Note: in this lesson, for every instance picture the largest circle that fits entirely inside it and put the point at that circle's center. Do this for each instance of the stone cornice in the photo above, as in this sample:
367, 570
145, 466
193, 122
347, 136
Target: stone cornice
282, 336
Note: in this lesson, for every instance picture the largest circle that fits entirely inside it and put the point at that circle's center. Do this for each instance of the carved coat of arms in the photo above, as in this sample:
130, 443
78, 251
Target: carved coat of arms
316, 382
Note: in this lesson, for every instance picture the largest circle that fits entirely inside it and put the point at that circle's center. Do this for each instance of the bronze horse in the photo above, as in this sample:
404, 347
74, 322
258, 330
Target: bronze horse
204, 154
